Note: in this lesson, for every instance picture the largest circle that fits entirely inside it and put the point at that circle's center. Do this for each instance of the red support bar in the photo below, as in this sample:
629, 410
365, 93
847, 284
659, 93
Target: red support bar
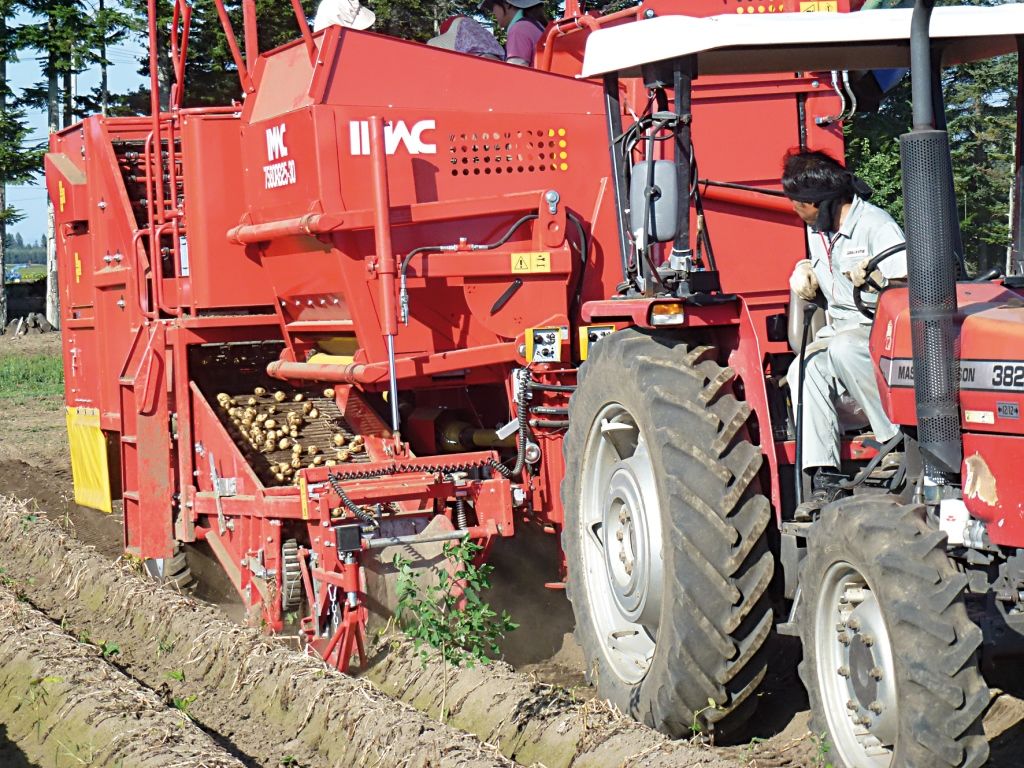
252, 40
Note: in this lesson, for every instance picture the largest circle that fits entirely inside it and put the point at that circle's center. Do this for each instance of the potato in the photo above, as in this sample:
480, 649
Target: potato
296, 448
296, 462
314, 414
299, 397
343, 455
271, 410
259, 391
330, 463
283, 444
271, 423
279, 477
358, 439
307, 407
251, 401
261, 417
355, 447
293, 432
279, 396
339, 439
329, 393
318, 460
312, 450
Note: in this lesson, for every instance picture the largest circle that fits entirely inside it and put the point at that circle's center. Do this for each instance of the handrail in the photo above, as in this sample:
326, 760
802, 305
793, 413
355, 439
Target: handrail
229, 33
140, 269
307, 36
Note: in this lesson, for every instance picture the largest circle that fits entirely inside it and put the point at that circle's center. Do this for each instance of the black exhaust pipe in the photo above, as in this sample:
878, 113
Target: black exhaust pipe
930, 224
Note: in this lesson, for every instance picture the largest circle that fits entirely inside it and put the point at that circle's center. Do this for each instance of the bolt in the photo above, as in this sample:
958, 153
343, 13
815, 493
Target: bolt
843, 671
851, 705
853, 623
620, 535
629, 568
622, 516
868, 640
622, 557
876, 707
876, 673
844, 639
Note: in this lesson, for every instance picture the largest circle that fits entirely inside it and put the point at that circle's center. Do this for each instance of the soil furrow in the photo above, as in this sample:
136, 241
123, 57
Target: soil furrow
64, 704
273, 704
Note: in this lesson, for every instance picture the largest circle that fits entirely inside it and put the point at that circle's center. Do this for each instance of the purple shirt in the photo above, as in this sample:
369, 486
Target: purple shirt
523, 37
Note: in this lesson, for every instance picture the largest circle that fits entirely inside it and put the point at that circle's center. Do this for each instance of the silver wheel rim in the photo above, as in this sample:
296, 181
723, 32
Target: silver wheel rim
620, 530
856, 675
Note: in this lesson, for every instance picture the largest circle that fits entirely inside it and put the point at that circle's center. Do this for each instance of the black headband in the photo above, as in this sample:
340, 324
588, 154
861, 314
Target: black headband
828, 198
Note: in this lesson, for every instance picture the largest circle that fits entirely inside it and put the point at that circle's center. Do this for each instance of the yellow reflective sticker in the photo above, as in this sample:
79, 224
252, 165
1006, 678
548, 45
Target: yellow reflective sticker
530, 262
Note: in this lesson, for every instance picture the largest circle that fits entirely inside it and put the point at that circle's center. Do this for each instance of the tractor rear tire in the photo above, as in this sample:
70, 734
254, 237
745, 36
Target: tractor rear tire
890, 654
665, 536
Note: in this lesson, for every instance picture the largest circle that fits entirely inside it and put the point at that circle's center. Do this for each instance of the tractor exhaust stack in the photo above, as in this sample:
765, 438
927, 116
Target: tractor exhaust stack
930, 226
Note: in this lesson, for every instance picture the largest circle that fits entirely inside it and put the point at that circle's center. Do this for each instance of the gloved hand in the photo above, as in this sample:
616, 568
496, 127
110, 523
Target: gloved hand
859, 275
803, 281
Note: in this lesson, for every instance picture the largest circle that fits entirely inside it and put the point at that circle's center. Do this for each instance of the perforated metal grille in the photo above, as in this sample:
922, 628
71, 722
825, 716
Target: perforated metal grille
931, 264
530, 150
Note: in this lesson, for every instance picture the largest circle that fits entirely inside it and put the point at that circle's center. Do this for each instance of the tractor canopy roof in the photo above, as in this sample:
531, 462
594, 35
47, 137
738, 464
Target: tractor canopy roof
806, 42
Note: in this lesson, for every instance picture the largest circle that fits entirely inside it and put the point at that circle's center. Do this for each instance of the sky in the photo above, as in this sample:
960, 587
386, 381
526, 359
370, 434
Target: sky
122, 76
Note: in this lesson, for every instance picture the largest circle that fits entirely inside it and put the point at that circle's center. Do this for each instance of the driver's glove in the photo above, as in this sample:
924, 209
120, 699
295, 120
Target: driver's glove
803, 281
859, 276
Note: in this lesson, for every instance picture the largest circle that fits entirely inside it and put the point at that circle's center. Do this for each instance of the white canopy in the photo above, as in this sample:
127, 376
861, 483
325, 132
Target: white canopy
801, 42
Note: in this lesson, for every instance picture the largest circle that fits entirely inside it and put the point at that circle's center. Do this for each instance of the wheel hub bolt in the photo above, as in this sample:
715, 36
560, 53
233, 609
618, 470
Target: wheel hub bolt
623, 517
876, 673
629, 568
851, 704
876, 707
853, 623
844, 671
620, 535
622, 557
844, 639
868, 640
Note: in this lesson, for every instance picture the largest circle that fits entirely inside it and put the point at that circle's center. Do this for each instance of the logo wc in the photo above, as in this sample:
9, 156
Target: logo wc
278, 172
275, 143
395, 133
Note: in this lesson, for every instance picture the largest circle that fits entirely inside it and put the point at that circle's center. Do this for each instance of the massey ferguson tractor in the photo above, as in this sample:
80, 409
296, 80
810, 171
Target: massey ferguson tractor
397, 296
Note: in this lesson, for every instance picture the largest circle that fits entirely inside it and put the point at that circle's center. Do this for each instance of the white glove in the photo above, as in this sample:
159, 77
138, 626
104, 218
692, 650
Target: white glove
803, 281
859, 275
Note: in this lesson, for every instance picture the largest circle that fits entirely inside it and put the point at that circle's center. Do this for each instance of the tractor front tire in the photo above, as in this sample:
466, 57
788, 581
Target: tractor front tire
890, 657
665, 536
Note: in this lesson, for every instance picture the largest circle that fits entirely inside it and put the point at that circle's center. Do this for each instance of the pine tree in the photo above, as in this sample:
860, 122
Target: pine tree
18, 161
980, 100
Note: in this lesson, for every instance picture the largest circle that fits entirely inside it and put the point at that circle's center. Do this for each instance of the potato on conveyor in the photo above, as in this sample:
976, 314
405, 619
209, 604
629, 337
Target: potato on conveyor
279, 396
329, 393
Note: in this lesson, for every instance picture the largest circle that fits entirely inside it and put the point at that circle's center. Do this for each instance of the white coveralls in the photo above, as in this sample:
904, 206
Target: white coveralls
838, 361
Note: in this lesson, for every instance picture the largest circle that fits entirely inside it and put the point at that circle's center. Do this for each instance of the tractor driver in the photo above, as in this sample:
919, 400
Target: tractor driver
844, 232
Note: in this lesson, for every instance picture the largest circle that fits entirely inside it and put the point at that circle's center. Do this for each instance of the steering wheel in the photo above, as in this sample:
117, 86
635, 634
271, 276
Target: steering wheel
869, 282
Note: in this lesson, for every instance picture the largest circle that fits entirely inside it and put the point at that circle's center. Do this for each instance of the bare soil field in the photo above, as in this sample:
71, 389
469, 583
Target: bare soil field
262, 704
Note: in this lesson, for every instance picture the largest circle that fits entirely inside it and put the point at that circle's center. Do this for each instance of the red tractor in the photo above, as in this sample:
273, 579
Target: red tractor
371, 307
911, 577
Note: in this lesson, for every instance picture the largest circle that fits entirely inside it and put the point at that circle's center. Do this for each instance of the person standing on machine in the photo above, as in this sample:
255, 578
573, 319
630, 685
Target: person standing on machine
525, 22
844, 233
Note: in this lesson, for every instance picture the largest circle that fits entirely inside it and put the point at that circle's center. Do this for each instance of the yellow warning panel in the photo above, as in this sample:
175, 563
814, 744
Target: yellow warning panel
89, 458
820, 6
530, 262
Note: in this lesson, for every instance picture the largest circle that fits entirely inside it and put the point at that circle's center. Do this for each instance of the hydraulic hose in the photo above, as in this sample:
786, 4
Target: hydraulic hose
403, 291
523, 433
350, 505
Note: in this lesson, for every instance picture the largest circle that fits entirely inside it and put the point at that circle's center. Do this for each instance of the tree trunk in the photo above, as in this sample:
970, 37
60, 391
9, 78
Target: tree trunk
53, 120
103, 64
3, 188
